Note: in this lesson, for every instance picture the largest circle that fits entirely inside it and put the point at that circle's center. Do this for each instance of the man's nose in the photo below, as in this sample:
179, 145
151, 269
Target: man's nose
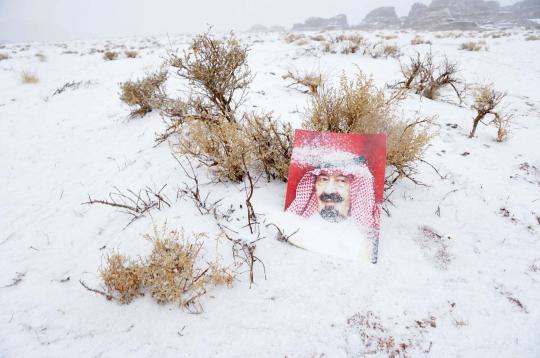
331, 186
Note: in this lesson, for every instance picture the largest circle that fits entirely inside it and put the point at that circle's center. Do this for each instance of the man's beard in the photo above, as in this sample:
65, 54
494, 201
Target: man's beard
329, 213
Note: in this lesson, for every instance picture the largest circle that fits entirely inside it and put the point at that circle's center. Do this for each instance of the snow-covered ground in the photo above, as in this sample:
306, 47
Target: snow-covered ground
459, 260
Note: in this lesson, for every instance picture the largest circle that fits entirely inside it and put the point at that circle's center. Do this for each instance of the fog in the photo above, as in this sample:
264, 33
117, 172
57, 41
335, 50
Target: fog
49, 20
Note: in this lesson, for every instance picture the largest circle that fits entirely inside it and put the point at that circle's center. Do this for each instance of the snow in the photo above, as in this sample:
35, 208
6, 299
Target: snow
320, 156
477, 273
344, 239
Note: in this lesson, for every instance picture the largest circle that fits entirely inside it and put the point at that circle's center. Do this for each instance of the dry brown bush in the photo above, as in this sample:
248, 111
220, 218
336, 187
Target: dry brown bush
391, 51
174, 272
110, 55
473, 46
270, 142
3, 56
29, 77
302, 42
357, 106
532, 38
218, 72
310, 80
220, 145
502, 121
290, 38
131, 54
208, 125
427, 78
353, 43
485, 102
419, 40
380, 50
389, 37
144, 94
327, 47
230, 149
318, 38
437, 77
122, 278
41, 57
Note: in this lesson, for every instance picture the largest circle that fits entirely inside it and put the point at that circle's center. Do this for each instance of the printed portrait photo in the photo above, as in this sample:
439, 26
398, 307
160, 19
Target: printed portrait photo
335, 189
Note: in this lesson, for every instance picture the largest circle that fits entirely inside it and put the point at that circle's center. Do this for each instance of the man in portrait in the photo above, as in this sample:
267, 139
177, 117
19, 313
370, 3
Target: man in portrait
337, 191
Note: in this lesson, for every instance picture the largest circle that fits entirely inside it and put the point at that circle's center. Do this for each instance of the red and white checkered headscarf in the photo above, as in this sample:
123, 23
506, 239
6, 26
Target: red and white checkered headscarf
363, 209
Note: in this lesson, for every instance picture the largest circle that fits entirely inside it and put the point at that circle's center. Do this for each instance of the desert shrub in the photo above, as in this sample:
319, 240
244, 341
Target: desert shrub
318, 38
208, 125
302, 42
389, 37
353, 43
532, 38
110, 55
391, 51
145, 94
310, 80
437, 77
419, 40
131, 54
339, 38
380, 50
485, 102
291, 38
473, 46
29, 77
41, 57
174, 272
231, 149
427, 78
327, 47
3, 56
219, 144
357, 106
270, 142
217, 70
122, 278
502, 121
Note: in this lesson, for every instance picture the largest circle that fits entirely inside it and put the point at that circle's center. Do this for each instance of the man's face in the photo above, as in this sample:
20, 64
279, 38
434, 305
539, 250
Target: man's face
333, 196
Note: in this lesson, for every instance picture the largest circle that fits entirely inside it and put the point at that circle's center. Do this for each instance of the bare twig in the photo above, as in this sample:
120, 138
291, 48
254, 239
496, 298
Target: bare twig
135, 204
107, 296
281, 236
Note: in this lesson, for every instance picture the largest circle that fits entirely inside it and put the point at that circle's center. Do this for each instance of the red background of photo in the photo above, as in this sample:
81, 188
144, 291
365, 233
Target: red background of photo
371, 146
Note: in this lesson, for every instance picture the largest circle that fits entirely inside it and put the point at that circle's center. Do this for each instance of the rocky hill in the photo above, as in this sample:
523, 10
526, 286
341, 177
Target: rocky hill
338, 22
455, 15
382, 17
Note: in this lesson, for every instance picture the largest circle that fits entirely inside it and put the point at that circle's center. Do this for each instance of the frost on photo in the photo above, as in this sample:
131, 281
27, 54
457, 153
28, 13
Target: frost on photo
335, 192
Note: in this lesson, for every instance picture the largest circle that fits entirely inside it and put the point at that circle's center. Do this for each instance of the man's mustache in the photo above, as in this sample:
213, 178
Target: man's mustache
331, 198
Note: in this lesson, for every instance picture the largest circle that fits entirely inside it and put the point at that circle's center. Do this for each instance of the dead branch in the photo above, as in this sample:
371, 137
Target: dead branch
311, 81
438, 211
252, 217
193, 192
135, 204
242, 250
281, 236
107, 296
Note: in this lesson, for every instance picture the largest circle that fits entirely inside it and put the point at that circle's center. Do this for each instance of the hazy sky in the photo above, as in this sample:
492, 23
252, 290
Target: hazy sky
46, 20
